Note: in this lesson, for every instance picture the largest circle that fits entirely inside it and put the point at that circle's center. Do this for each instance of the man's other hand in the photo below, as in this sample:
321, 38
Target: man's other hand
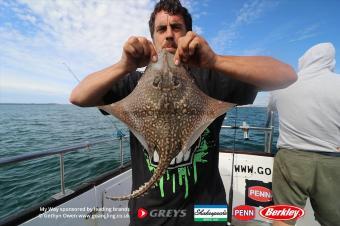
137, 52
194, 50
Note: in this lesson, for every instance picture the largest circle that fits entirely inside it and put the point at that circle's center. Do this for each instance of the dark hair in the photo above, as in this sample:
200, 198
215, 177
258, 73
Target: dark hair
173, 7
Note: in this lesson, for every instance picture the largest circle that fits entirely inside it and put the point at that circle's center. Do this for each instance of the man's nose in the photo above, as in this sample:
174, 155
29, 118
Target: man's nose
169, 33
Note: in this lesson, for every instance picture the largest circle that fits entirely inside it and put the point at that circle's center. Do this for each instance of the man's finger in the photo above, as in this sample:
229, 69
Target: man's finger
137, 46
145, 45
177, 57
153, 52
183, 47
131, 50
194, 44
185, 42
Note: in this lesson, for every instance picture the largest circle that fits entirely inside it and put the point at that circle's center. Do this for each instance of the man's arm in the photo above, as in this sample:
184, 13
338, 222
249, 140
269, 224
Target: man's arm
266, 73
137, 52
91, 90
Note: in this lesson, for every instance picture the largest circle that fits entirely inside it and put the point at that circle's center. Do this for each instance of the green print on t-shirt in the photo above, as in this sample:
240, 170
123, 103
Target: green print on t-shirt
183, 172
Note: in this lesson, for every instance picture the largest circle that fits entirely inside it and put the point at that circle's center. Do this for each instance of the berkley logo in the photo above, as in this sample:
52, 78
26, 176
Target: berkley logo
142, 213
244, 212
282, 212
260, 194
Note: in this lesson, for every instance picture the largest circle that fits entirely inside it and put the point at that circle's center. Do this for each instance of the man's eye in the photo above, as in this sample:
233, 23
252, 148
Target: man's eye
177, 27
162, 29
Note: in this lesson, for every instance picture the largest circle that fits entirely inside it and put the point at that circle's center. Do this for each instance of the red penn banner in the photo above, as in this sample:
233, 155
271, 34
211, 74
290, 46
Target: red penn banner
244, 212
260, 193
282, 212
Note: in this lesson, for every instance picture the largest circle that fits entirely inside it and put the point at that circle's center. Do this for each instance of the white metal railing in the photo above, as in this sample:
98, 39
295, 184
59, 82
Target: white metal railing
268, 130
61, 152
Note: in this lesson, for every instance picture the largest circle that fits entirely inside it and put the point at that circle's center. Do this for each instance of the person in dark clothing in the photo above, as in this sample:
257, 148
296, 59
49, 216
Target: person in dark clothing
193, 178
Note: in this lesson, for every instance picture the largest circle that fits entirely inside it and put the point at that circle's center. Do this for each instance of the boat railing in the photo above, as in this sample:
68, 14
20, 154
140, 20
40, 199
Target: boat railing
61, 151
268, 130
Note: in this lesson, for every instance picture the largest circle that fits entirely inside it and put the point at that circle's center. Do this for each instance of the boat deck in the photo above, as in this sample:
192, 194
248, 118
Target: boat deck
121, 184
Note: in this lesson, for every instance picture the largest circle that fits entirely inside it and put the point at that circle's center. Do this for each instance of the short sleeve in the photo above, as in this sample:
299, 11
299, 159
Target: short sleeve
122, 88
223, 87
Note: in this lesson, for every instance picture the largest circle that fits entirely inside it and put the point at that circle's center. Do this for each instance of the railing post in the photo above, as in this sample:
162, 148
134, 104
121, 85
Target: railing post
271, 139
268, 138
121, 152
62, 182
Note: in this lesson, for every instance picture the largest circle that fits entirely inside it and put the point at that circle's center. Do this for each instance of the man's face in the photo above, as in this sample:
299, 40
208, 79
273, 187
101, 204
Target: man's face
168, 29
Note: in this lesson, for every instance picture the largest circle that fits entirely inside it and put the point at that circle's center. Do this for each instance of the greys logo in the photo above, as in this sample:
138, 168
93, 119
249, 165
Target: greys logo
165, 213
168, 213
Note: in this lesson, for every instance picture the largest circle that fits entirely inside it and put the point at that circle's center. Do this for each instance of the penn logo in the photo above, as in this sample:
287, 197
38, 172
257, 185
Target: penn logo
244, 212
282, 212
142, 213
260, 194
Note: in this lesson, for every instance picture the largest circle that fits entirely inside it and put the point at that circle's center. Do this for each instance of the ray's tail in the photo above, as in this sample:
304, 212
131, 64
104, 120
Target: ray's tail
159, 172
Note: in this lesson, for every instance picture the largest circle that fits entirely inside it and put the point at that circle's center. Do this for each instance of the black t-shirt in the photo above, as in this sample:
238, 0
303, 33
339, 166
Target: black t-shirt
196, 179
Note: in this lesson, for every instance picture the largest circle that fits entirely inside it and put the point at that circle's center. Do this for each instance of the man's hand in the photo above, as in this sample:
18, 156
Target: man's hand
137, 52
195, 50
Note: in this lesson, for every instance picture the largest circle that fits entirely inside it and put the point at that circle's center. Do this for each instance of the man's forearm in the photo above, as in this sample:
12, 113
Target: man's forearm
90, 91
266, 73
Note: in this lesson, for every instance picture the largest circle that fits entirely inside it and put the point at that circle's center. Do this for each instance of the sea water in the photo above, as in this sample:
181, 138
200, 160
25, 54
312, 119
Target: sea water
39, 127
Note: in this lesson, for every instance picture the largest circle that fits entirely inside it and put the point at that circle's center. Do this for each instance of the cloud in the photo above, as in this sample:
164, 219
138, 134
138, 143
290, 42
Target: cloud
197, 29
26, 85
196, 8
93, 27
249, 13
37, 36
308, 32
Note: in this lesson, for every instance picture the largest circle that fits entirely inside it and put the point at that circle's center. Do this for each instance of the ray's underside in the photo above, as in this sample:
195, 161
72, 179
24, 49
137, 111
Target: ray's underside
167, 113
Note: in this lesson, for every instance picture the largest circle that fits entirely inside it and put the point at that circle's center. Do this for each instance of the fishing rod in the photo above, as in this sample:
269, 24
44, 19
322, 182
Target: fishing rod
231, 189
72, 73
119, 133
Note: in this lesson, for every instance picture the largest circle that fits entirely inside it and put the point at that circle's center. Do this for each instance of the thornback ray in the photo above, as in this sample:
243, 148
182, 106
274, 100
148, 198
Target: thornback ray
167, 113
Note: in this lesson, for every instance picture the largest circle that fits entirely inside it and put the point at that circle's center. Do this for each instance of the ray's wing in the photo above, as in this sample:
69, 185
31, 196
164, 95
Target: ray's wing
213, 110
120, 111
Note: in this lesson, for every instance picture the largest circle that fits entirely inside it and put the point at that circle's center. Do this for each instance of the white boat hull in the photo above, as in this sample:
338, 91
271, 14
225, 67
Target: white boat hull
247, 169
